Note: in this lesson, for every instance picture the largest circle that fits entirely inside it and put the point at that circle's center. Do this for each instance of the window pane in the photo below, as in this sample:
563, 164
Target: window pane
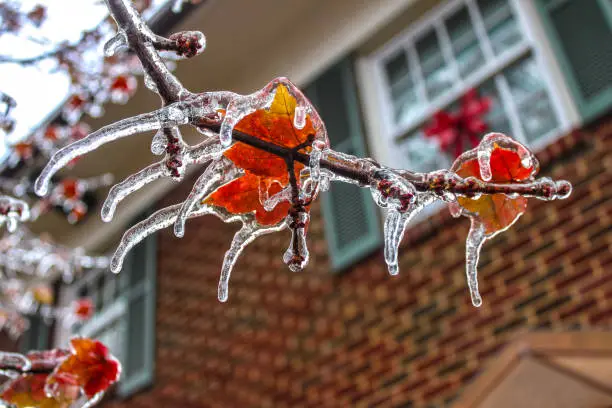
437, 74
531, 98
137, 332
465, 43
403, 91
423, 153
110, 288
496, 118
138, 269
397, 68
501, 25
83, 292
99, 291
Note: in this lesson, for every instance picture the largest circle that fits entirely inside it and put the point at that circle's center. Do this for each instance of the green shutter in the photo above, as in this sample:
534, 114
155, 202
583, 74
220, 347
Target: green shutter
351, 217
37, 336
139, 347
581, 34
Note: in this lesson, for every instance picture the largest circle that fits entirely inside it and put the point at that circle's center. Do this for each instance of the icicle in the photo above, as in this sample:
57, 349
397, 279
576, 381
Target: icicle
213, 177
149, 83
299, 117
243, 237
159, 143
296, 257
316, 155
118, 42
487, 146
271, 202
393, 232
167, 116
476, 237
395, 226
11, 223
131, 184
159, 220
198, 154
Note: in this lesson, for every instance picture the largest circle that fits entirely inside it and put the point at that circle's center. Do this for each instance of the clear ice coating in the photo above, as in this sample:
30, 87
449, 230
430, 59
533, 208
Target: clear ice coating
169, 116
316, 154
247, 234
159, 143
296, 256
198, 154
270, 203
488, 144
392, 189
396, 223
299, 118
116, 43
242, 105
213, 177
473, 244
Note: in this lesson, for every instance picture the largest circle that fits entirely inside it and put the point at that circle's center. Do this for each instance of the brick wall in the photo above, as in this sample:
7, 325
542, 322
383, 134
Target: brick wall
364, 338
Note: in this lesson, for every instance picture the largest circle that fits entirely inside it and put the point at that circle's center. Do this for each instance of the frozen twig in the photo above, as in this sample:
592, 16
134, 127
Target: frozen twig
219, 115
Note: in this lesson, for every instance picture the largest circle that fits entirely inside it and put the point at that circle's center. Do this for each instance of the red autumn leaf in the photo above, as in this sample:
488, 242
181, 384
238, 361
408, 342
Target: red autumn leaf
70, 189
90, 366
37, 15
496, 211
264, 169
83, 309
241, 196
29, 391
52, 133
24, 150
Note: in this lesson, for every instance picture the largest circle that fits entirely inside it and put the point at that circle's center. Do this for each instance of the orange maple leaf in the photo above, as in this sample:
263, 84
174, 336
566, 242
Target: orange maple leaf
29, 391
90, 367
497, 211
263, 170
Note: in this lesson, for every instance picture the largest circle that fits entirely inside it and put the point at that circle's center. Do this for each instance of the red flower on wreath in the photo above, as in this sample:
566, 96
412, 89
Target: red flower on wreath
455, 129
83, 309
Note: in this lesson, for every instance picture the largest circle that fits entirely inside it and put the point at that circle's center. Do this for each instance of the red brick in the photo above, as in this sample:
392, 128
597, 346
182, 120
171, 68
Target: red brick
287, 339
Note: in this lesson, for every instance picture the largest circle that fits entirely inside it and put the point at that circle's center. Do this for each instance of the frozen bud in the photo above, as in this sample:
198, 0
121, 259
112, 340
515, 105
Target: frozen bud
189, 43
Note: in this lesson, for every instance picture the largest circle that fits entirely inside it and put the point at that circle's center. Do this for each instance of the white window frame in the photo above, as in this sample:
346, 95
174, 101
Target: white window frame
383, 132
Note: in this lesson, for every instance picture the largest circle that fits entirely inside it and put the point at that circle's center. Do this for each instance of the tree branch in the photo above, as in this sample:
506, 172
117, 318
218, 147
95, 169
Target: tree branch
142, 44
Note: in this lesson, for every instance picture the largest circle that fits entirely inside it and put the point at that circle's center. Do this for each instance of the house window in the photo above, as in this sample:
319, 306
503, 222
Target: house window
580, 33
37, 335
462, 44
125, 314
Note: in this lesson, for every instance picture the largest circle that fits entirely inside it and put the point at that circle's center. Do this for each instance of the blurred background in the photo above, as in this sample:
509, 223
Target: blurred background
343, 332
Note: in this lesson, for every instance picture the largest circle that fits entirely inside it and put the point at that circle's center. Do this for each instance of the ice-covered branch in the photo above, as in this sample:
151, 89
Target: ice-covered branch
76, 378
268, 156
